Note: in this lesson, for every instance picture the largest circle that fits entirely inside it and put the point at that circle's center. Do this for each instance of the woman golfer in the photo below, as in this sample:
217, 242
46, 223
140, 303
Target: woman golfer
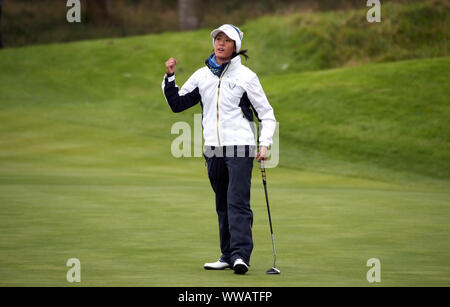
229, 93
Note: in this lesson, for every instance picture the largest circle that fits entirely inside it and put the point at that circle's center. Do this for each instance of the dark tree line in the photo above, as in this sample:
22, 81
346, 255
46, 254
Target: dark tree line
190, 11
1, 43
97, 11
25, 22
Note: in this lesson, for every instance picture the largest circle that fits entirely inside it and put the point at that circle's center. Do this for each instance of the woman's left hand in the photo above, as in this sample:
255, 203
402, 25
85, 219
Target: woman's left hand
262, 154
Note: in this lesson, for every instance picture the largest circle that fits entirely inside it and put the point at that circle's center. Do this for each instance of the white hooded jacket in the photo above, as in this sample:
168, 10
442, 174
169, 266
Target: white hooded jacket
227, 104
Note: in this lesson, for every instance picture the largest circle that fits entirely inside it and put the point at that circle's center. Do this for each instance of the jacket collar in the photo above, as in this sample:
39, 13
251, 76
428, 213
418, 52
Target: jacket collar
233, 64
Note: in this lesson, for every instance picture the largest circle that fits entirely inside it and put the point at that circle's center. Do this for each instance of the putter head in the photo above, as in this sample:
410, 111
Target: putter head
273, 271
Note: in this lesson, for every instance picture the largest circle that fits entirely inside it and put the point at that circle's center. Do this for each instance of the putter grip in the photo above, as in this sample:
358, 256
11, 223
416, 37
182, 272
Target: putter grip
263, 171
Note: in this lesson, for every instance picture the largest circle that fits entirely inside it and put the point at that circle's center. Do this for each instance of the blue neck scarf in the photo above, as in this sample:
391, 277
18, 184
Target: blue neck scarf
215, 68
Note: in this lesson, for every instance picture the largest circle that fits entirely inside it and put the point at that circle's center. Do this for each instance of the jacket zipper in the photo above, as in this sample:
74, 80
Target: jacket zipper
218, 96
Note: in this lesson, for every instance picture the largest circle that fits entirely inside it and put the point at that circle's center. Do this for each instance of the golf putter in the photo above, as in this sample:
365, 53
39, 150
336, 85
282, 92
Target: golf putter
272, 270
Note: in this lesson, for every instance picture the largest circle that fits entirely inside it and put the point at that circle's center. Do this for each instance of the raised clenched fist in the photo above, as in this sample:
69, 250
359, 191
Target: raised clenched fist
170, 66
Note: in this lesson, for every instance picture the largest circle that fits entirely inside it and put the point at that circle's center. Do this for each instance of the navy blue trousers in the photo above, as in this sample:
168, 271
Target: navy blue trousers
230, 178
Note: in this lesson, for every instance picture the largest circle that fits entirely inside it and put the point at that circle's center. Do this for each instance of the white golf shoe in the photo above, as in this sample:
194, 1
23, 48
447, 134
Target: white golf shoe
218, 265
240, 267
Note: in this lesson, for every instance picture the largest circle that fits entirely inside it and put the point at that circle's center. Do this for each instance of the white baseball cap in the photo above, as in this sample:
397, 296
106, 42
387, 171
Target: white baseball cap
232, 32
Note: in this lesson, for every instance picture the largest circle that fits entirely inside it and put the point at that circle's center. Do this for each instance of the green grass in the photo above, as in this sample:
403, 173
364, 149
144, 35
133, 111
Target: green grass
388, 114
312, 41
86, 170
156, 228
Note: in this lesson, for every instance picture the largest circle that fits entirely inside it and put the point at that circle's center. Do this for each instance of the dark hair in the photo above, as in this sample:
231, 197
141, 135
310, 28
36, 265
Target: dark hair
242, 52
